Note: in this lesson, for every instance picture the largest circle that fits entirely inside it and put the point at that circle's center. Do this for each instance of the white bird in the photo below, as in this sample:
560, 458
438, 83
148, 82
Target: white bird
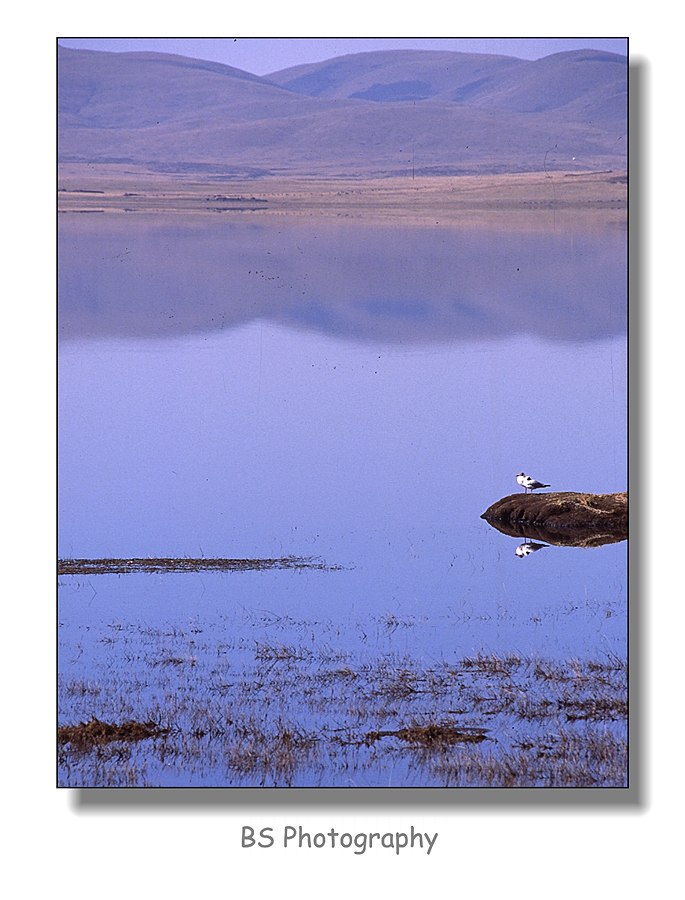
528, 548
529, 483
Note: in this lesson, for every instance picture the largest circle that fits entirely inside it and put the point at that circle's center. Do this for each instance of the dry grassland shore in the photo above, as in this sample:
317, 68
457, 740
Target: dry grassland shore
119, 189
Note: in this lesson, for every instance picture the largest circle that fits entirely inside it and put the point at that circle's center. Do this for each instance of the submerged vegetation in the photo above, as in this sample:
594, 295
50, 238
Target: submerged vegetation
234, 713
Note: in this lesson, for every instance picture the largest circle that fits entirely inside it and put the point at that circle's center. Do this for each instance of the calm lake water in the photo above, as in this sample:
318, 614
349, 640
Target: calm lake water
251, 387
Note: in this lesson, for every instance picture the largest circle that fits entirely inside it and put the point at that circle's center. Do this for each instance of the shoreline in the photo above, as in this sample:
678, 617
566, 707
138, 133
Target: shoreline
594, 196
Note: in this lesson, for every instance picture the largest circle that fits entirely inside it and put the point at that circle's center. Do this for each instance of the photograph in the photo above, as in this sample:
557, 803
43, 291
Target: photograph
342, 333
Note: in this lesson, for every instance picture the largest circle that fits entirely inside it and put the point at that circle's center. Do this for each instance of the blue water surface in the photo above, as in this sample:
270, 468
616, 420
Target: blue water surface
355, 392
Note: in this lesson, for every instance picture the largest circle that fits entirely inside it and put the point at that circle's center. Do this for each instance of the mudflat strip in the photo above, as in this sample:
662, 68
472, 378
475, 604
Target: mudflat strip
443, 198
127, 566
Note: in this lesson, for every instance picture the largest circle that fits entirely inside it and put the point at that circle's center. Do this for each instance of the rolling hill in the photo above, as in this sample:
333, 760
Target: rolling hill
372, 114
578, 84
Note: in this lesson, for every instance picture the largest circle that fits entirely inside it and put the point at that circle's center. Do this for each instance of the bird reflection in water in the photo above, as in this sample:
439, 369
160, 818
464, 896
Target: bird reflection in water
527, 548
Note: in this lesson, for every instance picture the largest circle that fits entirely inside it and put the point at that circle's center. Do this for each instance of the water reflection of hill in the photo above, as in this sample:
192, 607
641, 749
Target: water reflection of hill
133, 277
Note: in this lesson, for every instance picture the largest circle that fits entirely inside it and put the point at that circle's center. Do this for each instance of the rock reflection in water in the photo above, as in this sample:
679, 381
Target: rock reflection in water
563, 519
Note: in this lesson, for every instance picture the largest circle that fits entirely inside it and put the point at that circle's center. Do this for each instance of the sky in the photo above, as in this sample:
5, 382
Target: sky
263, 55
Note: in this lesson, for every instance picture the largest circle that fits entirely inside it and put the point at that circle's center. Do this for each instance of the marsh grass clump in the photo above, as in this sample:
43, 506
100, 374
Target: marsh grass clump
276, 754
398, 685
492, 664
392, 678
282, 653
560, 759
174, 661
390, 622
597, 708
432, 735
95, 733
82, 688
554, 672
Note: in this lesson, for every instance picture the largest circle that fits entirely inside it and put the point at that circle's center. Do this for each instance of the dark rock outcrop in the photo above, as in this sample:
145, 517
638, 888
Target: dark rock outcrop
568, 519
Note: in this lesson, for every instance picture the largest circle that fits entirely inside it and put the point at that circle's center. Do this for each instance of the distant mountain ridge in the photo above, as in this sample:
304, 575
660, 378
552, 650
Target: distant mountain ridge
377, 113
497, 82
387, 75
